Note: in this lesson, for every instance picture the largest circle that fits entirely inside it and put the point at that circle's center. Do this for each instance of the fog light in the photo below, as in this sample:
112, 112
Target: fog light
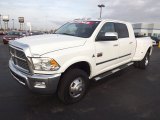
40, 85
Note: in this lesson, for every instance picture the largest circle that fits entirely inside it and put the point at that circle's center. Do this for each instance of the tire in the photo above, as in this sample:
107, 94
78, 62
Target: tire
5, 42
144, 63
73, 86
136, 64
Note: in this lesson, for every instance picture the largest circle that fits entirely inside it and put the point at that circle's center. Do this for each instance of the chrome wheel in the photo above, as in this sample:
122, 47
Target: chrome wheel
146, 61
76, 88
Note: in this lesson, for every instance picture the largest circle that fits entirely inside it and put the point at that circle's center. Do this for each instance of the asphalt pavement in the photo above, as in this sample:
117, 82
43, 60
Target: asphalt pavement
132, 94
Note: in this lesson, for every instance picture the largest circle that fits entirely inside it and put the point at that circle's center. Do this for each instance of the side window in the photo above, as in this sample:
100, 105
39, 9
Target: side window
108, 27
122, 30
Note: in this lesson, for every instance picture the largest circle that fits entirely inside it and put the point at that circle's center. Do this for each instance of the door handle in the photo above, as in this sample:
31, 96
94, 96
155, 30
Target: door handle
130, 42
115, 45
99, 54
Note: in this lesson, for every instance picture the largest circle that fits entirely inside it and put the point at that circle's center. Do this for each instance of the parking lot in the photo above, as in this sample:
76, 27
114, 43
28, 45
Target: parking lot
132, 94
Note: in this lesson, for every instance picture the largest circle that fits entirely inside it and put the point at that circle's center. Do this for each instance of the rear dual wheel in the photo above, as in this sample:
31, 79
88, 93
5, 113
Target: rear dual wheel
144, 63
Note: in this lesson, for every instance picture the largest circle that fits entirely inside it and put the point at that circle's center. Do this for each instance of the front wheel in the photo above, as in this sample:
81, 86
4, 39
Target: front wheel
73, 86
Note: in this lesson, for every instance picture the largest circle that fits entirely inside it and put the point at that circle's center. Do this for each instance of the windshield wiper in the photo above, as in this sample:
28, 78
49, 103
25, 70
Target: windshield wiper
66, 34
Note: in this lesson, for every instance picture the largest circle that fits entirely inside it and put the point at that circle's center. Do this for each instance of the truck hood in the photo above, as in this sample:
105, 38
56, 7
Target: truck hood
42, 44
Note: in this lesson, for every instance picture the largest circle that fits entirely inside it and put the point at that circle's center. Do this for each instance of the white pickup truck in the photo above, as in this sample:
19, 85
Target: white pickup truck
80, 50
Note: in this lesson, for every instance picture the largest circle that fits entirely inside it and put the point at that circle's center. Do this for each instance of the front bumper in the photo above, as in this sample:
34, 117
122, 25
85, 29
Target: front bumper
45, 84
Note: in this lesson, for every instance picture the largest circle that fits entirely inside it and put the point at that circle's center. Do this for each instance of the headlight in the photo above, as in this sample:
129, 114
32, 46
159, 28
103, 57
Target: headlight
45, 64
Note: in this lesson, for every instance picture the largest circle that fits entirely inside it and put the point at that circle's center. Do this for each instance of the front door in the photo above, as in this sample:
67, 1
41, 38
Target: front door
106, 51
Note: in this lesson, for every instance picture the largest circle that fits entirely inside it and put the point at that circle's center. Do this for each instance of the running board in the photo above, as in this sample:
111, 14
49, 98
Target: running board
101, 76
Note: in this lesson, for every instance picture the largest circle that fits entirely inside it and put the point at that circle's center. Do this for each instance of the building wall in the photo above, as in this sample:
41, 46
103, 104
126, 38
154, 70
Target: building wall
147, 29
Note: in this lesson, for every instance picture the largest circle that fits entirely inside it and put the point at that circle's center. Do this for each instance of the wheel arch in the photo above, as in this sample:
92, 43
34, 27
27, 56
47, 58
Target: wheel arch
83, 65
141, 51
150, 50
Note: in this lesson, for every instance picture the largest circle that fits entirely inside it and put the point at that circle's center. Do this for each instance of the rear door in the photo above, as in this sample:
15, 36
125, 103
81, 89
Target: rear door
125, 43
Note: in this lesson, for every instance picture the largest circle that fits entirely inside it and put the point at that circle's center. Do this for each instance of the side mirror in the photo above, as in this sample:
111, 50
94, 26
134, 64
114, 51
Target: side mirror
109, 36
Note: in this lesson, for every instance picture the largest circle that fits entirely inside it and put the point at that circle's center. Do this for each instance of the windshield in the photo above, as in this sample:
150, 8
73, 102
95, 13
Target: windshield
78, 29
13, 33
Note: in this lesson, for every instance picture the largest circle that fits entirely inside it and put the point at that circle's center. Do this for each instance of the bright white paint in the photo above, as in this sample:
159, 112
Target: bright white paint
67, 50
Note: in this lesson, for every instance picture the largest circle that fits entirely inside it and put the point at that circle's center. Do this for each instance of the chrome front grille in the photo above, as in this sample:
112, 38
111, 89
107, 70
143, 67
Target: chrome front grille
19, 58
